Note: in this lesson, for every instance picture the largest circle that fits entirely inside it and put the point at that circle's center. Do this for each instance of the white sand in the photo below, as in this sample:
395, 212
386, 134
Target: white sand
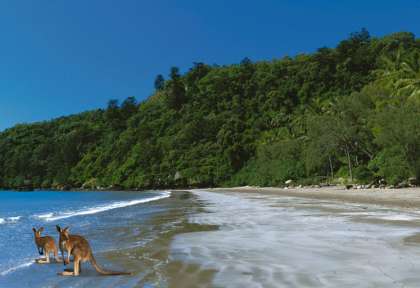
273, 240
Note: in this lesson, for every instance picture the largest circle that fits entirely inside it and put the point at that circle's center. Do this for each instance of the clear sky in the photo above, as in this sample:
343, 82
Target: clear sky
62, 57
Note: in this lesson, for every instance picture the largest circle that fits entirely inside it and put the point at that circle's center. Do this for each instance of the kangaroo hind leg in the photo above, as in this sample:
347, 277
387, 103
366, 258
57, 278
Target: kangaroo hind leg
45, 260
77, 266
57, 258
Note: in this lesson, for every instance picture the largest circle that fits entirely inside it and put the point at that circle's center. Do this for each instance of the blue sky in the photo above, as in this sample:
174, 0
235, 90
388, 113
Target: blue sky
62, 57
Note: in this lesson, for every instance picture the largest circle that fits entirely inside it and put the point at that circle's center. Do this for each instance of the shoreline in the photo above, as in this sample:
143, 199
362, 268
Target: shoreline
395, 197
138, 246
200, 225
152, 264
402, 198
291, 240
90, 190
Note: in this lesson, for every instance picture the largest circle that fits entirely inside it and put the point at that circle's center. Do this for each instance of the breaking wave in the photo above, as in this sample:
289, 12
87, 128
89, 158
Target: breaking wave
98, 209
10, 220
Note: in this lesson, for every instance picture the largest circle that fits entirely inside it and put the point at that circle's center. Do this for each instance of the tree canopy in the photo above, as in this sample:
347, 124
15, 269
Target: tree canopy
349, 112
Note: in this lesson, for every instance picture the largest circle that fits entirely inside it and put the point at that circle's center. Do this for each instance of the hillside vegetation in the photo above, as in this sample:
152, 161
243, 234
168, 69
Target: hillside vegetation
350, 112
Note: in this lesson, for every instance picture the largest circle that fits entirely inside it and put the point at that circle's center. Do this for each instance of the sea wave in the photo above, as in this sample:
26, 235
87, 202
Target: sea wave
13, 269
14, 219
45, 216
97, 209
10, 220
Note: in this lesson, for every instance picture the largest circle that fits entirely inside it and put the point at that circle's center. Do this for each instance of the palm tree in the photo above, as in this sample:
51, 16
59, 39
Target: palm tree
409, 83
402, 74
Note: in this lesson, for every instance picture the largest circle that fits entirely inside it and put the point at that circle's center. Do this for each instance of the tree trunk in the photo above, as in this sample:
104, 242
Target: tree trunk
331, 168
349, 163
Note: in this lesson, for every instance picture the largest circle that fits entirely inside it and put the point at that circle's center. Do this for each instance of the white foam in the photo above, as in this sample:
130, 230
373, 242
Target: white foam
13, 269
10, 220
397, 217
98, 209
46, 215
14, 219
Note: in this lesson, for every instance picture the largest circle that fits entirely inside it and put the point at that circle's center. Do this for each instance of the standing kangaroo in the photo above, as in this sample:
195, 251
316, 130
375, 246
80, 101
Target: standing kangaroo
79, 247
64, 246
45, 245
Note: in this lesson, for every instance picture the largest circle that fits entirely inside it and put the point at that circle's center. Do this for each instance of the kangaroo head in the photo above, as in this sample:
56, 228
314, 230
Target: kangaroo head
64, 233
38, 232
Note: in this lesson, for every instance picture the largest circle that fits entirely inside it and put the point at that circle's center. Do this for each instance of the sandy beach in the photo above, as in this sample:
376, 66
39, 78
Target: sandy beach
252, 237
404, 198
317, 237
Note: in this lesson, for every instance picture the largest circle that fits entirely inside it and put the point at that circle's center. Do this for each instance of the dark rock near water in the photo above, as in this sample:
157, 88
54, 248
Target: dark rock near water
412, 181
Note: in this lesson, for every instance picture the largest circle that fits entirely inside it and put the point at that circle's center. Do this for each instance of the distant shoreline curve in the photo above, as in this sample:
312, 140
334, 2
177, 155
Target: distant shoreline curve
403, 198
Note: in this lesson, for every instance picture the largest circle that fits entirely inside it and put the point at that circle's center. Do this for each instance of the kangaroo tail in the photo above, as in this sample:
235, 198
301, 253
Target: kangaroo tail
100, 270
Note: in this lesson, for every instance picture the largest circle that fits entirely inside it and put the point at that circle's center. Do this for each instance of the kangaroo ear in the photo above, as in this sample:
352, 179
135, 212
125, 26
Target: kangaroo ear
41, 229
66, 229
33, 229
58, 228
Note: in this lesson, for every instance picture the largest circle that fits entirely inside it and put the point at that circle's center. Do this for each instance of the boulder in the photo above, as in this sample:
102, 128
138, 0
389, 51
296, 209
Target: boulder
403, 184
412, 181
370, 185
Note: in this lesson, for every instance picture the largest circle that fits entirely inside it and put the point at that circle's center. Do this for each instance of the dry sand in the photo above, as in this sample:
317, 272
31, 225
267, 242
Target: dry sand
404, 198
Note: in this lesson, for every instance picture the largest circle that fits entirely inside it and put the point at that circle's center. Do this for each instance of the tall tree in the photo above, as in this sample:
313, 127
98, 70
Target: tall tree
129, 107
159, 82
176, 94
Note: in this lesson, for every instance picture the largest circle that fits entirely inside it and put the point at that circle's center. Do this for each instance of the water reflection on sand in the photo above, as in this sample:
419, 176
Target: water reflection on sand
277, 241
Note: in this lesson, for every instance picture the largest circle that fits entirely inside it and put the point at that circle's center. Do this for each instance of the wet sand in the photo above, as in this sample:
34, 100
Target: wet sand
274, 237
403, 200
151, 263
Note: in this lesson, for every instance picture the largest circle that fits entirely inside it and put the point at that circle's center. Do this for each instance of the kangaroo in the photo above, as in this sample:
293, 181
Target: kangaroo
79, 247
62, 244
45, 245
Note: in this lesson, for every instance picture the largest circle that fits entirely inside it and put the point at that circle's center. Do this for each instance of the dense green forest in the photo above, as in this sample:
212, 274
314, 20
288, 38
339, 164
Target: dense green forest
350, 113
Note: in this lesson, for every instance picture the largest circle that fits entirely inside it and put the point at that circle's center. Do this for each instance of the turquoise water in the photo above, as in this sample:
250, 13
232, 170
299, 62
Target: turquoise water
99, 216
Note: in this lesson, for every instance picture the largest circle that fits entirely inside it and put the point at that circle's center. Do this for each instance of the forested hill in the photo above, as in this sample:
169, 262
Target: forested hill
350, 112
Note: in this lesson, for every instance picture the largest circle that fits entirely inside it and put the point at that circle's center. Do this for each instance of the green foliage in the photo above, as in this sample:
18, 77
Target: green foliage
391, 165
275, 163
398, 134
349, 111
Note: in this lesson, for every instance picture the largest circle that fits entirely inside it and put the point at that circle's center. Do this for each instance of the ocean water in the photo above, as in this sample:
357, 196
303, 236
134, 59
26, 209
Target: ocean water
102, 217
